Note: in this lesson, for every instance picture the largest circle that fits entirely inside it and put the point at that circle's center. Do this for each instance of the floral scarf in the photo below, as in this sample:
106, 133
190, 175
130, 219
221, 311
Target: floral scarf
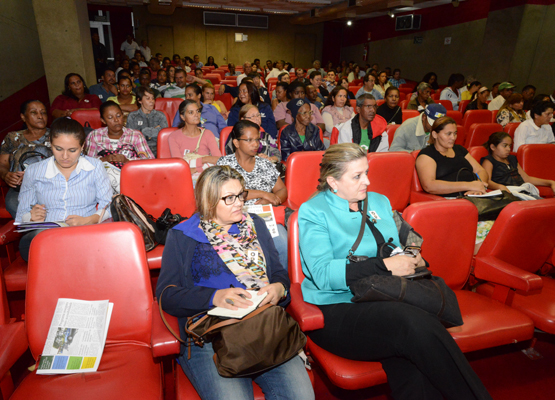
240, 252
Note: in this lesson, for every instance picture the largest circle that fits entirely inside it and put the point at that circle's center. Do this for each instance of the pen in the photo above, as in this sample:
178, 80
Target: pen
480, 179
241, 295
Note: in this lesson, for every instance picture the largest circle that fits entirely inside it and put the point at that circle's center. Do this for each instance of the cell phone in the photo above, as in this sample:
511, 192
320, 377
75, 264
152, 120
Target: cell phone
412, 251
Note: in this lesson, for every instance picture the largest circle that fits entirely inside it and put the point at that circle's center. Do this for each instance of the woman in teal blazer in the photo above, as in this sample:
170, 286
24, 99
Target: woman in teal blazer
419, 356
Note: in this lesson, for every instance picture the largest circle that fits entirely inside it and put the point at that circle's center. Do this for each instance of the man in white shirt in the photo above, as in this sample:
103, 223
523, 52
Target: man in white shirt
451, 92
536, 130
276, 71
247, 69
145, 50
316, 66
505, 91
181, 81
129, 46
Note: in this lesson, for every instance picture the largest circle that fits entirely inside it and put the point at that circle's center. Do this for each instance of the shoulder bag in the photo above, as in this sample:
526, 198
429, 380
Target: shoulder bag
421, 289
262, 340
193, 155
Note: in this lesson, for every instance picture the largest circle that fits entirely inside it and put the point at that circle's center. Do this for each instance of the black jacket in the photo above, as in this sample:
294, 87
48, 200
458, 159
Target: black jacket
291, 141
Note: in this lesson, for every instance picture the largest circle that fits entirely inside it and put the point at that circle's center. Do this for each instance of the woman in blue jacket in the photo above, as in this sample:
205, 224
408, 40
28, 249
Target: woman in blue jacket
419, 356
248, 94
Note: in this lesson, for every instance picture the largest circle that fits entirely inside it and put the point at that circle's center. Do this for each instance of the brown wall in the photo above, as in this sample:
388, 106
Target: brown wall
185, 33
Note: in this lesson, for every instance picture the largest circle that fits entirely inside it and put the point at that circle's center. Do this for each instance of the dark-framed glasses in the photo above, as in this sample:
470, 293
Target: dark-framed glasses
229, 200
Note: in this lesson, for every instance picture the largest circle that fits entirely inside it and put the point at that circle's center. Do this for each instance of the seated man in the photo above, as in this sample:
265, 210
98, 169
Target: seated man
247, 69
144, 80
396, 79
366, 128
536, 130
274, 73
330, 81
106, 88
423, 98
505, 91
451, 92
528, 93
181, 81
232, 71
282, 115
413, 134
316, 66
368, 88
312, 96
301, 76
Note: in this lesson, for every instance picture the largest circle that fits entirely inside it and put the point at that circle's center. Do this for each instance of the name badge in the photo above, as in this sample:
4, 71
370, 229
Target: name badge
86, 100
139, 122
100, 96
253, 256
374, 214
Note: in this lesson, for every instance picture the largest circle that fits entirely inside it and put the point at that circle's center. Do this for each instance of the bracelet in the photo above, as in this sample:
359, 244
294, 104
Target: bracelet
284, 291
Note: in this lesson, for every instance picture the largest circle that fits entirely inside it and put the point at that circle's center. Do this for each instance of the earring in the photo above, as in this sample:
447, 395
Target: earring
334, 190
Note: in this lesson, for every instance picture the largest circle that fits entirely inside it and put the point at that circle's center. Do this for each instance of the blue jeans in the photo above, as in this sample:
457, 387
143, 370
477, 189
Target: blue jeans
281, 245
12, 201
288, 381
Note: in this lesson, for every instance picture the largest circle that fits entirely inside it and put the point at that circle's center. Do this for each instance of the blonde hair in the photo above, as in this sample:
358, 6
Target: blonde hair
335, 160
245, 109
209, 188
439, 125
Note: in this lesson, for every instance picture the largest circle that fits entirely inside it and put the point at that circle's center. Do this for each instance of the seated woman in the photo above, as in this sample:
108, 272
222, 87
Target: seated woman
447, 169
296, 90
419, 356
161, 82
345, 84
126, 98
204, 276
536, 130
268, 148
16, 144
115, 143
248, 94
146, 119
390, 110
261, 177
208, 95
382, 84
479, 100
281, 95
472, 88
195, 145
512, 110
302, 135
503, 167
210, 62
337, 109
355, 73
170, 75
67, 187
422, 99
74, 97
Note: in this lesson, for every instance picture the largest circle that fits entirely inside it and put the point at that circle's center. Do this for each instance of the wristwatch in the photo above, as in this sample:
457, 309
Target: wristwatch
284, 291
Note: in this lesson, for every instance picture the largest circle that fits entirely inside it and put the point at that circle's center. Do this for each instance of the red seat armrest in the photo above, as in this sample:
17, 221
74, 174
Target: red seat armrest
416, 197
497, 271
308, 316
8, 233
13, 343
163, 343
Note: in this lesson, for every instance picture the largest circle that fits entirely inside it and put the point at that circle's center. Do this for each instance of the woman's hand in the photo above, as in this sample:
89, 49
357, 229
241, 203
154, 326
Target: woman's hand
38, 213
269, 198
477, 186
232, 299
76, 220
14, 179
401, 265
275, 293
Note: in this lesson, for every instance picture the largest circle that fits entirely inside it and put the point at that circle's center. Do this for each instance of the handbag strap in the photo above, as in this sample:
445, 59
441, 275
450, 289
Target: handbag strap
361, 230
199, 139
459, 172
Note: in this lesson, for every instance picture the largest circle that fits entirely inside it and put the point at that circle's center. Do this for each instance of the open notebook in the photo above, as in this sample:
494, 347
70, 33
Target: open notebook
241, 312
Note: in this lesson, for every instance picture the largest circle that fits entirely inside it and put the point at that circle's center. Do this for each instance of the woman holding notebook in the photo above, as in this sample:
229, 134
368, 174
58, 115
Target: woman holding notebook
212, 258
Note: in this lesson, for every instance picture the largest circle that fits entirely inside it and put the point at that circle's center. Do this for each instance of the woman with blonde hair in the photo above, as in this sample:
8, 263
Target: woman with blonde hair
512, 110
208, 94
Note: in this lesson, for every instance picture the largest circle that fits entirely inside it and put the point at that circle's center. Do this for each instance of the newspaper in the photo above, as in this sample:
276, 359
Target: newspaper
266, 212
76, 337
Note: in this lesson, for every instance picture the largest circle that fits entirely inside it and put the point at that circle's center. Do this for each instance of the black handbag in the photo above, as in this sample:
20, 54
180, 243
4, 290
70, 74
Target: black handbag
164, 223
489, 207
421, 289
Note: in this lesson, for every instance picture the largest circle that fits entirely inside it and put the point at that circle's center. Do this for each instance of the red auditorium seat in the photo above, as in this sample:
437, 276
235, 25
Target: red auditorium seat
403, 104
214, 78
156, 185
167, 117
480, 133
301, 177
461, 135
391, 174
418, 194
334, 136
476, 117
226, 99
456, 115
354, 88
462, 105
407, 97
170, 106
163, 146
487, 323
88, 117
391, 129
436, 96
446, 103
519, 243
409, 114
407, 86
103, 261
538, 160
511, 128
346, 374
224, 134
353, 103
229, 82
220, 72
478, 152
379, 102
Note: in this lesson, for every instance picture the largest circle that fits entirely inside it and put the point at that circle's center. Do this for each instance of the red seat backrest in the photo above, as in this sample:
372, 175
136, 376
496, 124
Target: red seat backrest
224, 134
463, 104
409, 114
391, 129
302, 174
478, 152
522, 235
449, 258
408, 96
537, 160
476, 117
334, 136
229, 82
170, 106
220, 72
226, 99
273, 81
163, 146
167, 117
354, 88
403, 104
511, 128
446, 103
379, 102
416, 185
386, 168
92, 117
461, 135
159, 184
353, 104
294, 266
436, 96
100, 262
480, 133
214, 78
456, 115
407, 86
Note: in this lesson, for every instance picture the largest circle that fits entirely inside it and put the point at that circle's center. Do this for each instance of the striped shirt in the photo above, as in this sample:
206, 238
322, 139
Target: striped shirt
132, 144
87, 187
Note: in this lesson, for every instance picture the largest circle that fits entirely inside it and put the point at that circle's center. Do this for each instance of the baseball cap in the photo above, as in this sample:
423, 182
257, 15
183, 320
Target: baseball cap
294, 106
434, 111
506, 85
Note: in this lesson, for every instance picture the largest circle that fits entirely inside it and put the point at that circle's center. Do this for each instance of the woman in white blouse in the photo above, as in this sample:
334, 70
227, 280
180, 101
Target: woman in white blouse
68, 187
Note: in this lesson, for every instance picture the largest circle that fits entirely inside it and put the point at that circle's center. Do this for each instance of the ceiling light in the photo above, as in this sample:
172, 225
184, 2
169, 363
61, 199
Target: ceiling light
349, 23
199, 5
235, 8
311, 1
280, 11
391, 14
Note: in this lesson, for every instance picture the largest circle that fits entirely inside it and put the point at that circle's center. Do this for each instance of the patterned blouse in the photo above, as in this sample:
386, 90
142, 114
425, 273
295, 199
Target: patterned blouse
507, 116
16, 145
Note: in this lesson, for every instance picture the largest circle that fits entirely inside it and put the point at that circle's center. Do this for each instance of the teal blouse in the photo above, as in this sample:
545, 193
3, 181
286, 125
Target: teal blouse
327, 230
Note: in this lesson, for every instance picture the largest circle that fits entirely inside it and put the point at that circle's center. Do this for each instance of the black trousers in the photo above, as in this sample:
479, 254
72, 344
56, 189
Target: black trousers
25, 243
419, 356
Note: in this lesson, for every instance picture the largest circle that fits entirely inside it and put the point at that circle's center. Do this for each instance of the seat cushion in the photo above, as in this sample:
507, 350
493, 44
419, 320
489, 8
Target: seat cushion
154, 257
184, 389
540, 307
15, 275
126, 371
347, 374
488, 323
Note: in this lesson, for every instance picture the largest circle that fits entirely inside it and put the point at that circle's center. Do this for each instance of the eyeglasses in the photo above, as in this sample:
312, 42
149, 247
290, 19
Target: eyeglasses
305, 113
250, 140
229, 200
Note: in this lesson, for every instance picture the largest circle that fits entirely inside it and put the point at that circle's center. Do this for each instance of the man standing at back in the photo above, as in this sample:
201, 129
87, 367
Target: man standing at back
505, 91
145, 50
129, 46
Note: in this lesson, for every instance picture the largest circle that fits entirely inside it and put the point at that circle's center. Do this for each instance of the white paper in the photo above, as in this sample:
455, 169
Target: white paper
240, 312
266, 212
76, 337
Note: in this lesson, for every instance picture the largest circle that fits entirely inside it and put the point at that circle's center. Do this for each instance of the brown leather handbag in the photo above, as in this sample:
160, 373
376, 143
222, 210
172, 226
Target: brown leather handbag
262, 340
